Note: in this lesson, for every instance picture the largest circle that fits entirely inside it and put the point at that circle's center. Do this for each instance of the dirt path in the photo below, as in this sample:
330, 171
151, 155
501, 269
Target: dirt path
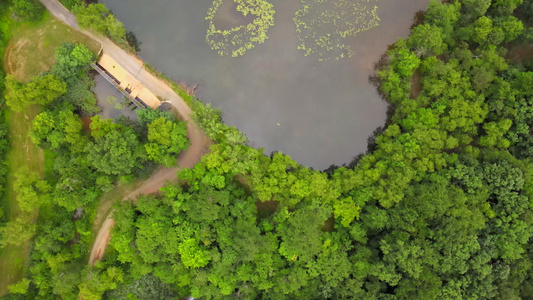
102, 239
150, 186
133, 65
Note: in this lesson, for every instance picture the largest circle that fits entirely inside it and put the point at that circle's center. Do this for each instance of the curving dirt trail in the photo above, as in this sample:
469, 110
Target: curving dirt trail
150, 186
102, 239
132, 64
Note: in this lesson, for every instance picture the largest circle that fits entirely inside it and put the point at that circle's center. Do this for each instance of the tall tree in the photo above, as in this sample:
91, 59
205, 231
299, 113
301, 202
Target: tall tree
116, 149
41, 90
31, 190
27, 10
166, 140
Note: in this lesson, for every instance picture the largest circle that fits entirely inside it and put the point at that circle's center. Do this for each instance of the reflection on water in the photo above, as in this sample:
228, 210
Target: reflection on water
120, 106
326, 110
228, 17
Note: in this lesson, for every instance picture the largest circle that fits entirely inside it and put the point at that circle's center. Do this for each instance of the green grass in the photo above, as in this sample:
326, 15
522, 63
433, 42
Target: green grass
14, 259
32, 46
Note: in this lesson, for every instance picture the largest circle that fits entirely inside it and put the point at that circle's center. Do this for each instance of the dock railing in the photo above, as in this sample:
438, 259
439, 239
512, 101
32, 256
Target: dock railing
138, 102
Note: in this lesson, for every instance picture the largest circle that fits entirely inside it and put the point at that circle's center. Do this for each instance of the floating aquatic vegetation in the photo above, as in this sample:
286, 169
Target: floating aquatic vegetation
324, 25
237, 40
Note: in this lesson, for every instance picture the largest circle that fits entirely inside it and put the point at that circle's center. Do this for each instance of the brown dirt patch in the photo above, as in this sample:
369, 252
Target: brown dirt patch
521, 53
266, 208
416, 85
329, 225
102, 239
86, 123
13, 65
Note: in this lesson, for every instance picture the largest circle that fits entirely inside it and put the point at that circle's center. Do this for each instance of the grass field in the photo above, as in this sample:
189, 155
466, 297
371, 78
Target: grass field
31, 47
14, 259
30, 52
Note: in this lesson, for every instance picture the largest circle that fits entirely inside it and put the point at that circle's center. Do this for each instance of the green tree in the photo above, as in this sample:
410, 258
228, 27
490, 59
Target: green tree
146, 287
70, 4
72, 62
445, 17
427, 40
99, 18
210, 120
100, 281
18, 231
27, 10
80, 95
116, 149
166, 140
92, 16
300, 234
115, 29
31, 190
511, 27
475, 8
20, 287
495, 134
72, 66
58, 128
482, 27
192, 255
41, 90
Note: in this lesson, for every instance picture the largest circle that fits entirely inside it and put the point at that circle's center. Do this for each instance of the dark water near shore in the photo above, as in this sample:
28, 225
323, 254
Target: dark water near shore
103, 89
325, 110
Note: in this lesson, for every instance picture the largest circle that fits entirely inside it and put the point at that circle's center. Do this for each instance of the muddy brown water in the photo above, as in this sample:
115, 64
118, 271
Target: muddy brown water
325, 110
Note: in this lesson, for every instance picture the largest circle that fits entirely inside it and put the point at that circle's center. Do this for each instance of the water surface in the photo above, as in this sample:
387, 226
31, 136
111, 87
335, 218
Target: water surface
103, 89
325, 110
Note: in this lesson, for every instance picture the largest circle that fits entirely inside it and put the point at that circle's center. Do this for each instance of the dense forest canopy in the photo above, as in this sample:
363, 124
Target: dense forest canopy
439, 208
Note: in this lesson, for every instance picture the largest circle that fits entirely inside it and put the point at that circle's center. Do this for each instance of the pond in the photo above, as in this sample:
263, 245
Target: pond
318, 112
112, 101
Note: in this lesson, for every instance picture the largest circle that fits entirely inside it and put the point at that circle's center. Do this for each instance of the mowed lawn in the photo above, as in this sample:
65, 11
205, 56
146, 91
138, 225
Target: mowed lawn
31, 47
29, 53
15, 259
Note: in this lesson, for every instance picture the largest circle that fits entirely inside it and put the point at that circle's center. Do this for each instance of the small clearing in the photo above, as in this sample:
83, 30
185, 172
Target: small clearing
32, 46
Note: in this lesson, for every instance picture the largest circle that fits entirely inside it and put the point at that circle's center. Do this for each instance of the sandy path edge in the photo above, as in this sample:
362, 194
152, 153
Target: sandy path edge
102, 239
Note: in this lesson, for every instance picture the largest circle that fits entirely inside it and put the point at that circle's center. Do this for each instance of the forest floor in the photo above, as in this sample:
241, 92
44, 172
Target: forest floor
520, 52
416, 85
30, 52
23, 153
